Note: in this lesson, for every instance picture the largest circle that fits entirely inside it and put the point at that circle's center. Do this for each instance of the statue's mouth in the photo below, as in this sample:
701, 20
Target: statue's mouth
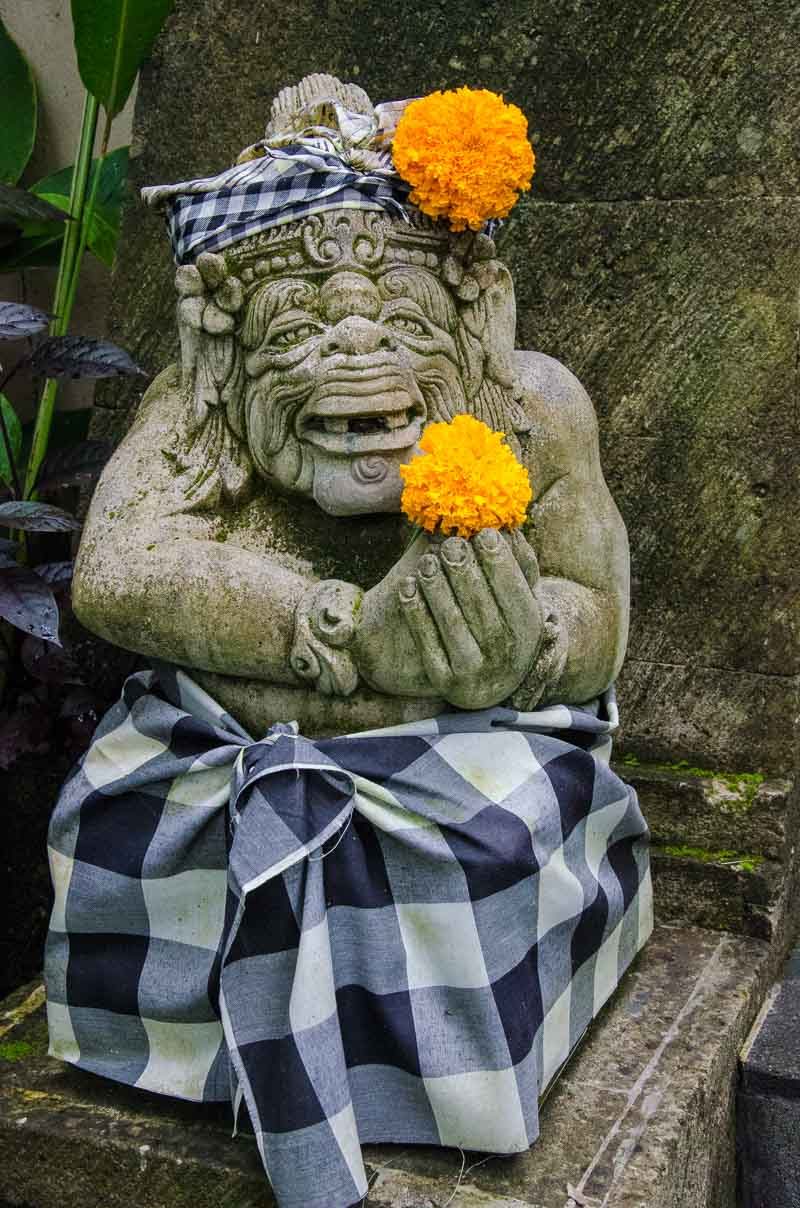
363, 412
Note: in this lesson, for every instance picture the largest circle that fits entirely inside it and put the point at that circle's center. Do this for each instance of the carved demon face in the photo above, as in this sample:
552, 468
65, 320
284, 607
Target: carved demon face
344, 373
343, 354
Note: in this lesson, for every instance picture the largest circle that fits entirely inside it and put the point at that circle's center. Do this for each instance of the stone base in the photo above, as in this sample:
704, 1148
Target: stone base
641, 1118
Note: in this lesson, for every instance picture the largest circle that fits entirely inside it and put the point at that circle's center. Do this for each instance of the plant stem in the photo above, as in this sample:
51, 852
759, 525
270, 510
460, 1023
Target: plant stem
10, 455
87, 216
6, 378
64, 293
77, 203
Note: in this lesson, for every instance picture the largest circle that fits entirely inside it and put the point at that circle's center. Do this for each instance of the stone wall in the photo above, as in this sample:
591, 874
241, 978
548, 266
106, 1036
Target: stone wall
657, 256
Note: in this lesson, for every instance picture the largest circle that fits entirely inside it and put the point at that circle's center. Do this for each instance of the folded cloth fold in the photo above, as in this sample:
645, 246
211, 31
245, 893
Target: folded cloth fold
399, 935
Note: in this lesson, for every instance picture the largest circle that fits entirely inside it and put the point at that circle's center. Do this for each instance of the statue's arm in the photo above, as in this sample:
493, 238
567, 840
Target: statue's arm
151, 578
579, 538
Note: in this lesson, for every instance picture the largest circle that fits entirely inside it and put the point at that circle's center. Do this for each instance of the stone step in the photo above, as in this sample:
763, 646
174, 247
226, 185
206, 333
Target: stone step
724, 846
641, 1118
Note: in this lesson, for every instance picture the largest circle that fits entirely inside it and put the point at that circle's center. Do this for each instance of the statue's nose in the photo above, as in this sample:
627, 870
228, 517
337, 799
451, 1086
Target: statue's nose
356, 336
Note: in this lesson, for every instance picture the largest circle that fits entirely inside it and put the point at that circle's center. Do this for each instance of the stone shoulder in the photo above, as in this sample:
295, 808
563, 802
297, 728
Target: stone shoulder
546, 381
564, 431
139, 481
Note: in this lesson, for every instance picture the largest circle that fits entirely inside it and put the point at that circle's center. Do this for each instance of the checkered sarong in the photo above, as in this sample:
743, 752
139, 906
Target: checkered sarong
392, 936
282, 186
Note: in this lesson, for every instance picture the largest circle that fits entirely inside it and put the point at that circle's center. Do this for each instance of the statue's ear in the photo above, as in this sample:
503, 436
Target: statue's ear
498, 320
488, 326
209, 451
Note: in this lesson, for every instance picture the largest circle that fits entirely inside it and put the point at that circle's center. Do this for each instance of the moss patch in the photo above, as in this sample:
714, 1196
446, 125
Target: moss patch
15, 1050
737, 860
737, 789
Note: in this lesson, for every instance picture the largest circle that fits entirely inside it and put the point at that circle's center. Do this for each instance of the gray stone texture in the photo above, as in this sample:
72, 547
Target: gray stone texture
656, 256
723, 853
768, 1101
680, 318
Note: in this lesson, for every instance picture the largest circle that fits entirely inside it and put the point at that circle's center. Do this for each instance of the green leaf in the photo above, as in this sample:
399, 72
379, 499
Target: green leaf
103, 228
18, 206
110, 188
17, 109
112, 40
103, 235
14, 429
105, 224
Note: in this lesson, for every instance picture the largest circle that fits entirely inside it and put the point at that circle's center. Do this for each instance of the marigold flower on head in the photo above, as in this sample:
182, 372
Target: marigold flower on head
466, 479
466, 154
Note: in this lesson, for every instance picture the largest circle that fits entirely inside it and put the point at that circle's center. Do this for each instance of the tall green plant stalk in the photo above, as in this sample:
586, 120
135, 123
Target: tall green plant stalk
112, 39
72, 251
87, 217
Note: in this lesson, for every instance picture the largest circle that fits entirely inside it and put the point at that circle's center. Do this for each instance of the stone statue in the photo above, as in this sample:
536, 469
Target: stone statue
400, 932
249, 526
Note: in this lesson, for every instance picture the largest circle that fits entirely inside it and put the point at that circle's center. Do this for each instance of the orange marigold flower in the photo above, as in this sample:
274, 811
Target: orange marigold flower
466, 480
466, 154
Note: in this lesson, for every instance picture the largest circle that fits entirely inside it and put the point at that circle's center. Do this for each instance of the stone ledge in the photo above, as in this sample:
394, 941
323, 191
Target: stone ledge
723, 845
714, 809
642, 1117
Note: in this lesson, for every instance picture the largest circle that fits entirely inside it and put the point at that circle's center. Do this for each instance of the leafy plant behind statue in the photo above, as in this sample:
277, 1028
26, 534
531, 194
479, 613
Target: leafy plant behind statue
55, 222
42, 689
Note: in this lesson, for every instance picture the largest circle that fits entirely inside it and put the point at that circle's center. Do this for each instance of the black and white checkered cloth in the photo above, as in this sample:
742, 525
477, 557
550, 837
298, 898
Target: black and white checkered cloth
391, 936
282, 186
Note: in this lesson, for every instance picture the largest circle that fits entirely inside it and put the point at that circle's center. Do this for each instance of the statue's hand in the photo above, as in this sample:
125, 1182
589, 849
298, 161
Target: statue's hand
384, 650
472, 610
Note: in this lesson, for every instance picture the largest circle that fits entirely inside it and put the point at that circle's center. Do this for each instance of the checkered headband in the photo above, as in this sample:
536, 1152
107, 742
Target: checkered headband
279, 187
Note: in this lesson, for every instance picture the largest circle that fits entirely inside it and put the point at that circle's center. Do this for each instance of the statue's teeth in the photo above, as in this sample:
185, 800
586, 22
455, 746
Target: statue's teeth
398, 420
335, 424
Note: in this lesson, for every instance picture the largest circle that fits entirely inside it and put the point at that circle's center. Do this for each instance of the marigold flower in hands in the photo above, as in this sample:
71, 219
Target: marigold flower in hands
467, 479
466, 154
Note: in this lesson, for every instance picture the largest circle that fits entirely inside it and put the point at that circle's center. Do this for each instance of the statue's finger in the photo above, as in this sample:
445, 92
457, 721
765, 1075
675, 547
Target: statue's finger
474, 596
461, 646
509, 585
425, 634
525, 556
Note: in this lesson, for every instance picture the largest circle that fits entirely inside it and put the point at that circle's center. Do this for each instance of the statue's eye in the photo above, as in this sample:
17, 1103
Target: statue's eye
293, 335
411, 327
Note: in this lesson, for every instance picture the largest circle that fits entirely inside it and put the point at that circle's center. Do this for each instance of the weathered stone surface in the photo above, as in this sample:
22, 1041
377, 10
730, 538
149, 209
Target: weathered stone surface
771, 1056
677, 101
724, 845
718, 890
700, 808
768, 1100
640, 1119
725, 720
681, 320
